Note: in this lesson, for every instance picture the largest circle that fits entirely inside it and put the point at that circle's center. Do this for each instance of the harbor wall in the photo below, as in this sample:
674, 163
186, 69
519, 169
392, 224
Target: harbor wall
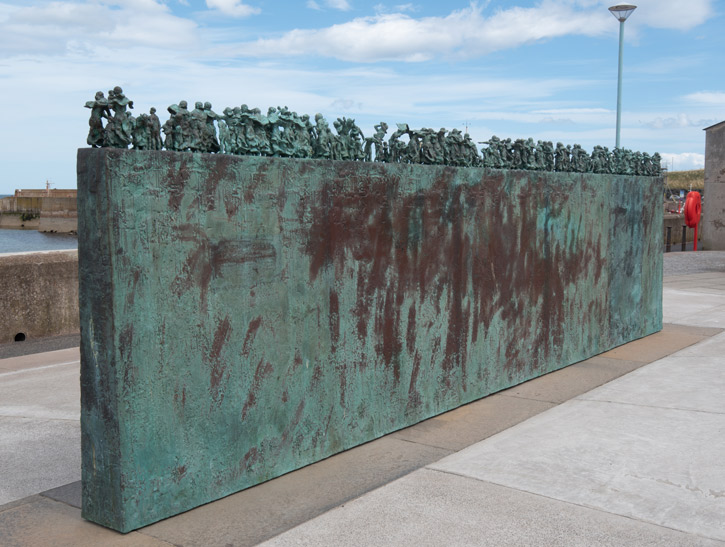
20, 221
242, 317
43, 210
39, 295
59, 214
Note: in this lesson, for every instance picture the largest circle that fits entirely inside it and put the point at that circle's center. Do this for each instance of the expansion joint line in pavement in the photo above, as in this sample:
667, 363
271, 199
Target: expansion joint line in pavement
555, 403
624, 403
447, 448
26, 370
585, 506
36, 419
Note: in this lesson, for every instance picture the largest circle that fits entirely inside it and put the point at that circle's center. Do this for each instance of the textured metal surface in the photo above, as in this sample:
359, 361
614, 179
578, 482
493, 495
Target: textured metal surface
244, 316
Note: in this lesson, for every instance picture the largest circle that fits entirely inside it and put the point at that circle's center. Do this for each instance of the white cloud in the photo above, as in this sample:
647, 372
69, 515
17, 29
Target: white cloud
465, 32
671, 14
683, 162
233, 8
399, 8
391, 34
573, 111
707, 97
56, 28
681, 120
342, 5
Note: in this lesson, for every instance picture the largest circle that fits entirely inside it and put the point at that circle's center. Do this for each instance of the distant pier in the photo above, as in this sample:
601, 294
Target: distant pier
45, 210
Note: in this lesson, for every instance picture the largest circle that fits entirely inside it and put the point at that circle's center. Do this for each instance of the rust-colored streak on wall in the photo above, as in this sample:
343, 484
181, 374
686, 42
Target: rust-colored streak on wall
406, 250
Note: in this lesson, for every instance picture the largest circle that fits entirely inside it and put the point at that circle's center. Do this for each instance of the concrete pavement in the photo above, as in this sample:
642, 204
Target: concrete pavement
39, 423
625, 448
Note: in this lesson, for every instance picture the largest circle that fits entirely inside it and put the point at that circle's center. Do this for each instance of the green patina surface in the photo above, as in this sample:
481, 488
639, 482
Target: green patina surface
242, 317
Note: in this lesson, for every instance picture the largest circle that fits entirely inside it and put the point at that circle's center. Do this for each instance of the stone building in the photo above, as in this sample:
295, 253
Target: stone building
713, 214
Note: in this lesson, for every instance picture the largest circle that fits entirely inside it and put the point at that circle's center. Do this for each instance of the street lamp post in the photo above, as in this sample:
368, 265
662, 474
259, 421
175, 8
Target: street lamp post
621, 12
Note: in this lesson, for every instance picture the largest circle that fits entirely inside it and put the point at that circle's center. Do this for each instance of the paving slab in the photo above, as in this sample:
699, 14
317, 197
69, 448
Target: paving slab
39, 426
430, 508
694, 263
70, 494
711, 347
473, 422
37, 454
677, 382
692, 307
38, 360
567, 383
40, 345
42, 521
695, 279
655, 346
657, 465
51, 392
261, 512
677, 328
704, 289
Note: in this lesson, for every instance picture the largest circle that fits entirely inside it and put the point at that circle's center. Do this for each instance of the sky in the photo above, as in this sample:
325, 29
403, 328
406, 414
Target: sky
544, 69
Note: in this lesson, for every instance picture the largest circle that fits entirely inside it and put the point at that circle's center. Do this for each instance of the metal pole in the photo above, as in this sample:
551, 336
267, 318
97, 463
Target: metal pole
668, 246
684, 238
619, 82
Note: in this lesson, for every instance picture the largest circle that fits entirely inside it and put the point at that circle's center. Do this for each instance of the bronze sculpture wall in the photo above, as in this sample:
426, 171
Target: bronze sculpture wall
245, 316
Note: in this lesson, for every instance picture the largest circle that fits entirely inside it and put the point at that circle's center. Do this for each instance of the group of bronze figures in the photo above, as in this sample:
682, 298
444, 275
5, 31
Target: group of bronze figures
283, 133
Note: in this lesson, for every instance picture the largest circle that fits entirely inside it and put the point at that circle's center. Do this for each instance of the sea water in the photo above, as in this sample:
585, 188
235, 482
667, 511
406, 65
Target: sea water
21, 241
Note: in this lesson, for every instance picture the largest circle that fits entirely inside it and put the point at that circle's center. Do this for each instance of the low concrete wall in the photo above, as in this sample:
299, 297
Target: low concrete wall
39, 295
675, 223
26, 221
242, 317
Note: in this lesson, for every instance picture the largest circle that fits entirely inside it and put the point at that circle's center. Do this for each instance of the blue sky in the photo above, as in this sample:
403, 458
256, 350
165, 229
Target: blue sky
543, 69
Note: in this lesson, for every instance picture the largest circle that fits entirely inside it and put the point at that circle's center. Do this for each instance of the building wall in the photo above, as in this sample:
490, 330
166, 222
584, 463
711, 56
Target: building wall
242, 317
713, 218
39, 295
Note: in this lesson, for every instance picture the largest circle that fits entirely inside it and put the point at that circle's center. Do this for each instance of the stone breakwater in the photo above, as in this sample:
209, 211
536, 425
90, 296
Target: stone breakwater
42, 210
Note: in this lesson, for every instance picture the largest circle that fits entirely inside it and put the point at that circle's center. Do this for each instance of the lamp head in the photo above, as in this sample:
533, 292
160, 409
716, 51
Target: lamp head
622, 11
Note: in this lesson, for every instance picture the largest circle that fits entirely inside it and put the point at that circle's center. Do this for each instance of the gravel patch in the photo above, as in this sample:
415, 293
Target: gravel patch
694, 262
